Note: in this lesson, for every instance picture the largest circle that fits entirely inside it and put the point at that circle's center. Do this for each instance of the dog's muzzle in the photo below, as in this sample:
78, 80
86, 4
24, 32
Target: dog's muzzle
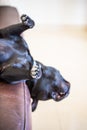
36, 71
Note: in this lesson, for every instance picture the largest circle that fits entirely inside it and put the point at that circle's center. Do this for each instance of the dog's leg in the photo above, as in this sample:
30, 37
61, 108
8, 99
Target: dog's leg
17, 29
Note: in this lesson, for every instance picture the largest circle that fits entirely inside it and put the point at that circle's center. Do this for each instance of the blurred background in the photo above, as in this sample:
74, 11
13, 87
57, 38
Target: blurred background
59, 39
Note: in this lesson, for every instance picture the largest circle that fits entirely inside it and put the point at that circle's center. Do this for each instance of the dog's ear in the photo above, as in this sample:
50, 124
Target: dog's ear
34, 104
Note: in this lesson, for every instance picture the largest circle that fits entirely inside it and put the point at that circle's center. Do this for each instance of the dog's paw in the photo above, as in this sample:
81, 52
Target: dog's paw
36, 71
26, 20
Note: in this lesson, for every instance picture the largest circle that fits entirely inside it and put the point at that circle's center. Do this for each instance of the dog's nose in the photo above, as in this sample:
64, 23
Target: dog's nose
65, 87
66, 82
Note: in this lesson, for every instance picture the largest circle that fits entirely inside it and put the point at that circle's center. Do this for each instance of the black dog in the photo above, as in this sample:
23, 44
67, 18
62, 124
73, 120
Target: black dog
16, 64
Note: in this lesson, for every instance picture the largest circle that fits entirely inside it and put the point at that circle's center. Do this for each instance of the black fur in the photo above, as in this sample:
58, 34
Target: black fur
15, 58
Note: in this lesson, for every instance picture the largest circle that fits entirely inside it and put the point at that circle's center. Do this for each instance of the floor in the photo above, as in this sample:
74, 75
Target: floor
66, 49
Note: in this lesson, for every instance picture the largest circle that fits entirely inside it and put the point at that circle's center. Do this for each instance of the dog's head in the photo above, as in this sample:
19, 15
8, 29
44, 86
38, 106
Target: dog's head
51, 85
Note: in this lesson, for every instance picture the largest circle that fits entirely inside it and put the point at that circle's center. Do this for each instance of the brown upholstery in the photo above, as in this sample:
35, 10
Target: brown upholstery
15, 104
8, 16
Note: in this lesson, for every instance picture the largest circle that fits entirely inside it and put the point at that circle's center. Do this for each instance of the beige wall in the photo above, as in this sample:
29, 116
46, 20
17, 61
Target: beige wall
68, 49
65, 49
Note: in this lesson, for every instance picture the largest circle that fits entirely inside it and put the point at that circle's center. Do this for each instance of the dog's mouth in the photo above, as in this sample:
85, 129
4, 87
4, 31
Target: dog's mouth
58, 96
62, 95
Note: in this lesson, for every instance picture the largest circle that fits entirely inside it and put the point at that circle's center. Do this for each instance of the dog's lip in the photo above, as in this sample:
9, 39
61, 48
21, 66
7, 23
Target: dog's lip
60, 97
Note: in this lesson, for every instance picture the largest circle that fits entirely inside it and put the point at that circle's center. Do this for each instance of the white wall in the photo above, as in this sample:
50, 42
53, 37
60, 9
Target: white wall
52, 11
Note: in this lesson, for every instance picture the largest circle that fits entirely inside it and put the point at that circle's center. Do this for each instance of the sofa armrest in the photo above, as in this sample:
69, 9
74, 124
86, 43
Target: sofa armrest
15, 102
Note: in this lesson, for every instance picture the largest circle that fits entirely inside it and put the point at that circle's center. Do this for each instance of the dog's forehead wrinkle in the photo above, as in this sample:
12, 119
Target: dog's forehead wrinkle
57, 77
